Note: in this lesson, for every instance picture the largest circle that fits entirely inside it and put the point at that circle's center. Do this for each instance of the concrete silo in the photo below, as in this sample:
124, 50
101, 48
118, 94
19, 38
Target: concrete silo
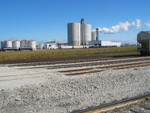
74, 35
79, 33
93, 35
85, 33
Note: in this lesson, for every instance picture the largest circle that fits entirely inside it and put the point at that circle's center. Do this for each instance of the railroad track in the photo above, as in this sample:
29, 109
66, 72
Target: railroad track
95, 66
76, 60
137, 104
104, 68
81, 68
71, 64
23, 76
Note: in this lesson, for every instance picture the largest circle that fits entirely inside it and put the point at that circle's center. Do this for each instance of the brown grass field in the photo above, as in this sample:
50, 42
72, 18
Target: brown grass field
65, 53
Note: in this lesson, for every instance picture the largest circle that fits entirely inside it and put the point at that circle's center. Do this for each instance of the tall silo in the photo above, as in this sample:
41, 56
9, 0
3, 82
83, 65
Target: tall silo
85, 33
74, 34
93, 35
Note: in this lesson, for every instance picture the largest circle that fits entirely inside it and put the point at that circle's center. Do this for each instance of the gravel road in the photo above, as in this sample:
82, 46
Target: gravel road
41, 90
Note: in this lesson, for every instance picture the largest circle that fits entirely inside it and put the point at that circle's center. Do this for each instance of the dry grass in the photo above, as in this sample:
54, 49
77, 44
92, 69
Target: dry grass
49, 54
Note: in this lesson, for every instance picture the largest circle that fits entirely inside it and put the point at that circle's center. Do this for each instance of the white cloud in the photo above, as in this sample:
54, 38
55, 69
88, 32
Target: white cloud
148, 24
121, 26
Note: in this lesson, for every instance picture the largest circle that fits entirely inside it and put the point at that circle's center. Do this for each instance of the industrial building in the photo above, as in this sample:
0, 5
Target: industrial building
103, 43
51, 45
143, 39
18, 45
80, 34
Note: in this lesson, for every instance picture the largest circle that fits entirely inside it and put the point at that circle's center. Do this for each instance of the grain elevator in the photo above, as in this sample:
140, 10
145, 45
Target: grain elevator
79, 33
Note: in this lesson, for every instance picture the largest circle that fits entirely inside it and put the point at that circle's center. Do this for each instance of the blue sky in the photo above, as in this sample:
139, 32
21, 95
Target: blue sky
45, 20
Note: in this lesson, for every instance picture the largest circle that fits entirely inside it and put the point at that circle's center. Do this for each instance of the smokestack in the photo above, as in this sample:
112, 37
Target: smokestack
97, 34
82, 21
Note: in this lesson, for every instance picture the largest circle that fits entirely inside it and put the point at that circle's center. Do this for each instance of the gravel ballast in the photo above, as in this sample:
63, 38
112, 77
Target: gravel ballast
53, 92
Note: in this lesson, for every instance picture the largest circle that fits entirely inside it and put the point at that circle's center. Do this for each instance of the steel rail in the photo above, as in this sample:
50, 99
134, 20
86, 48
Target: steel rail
114, 105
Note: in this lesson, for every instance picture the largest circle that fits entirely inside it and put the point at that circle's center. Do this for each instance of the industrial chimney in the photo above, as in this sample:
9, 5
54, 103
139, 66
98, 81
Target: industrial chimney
97, 34
82, 21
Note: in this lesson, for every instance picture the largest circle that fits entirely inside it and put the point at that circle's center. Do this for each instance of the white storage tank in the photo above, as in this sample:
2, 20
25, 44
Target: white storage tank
85, 33
16, 44
93, 35
74, 35
40, 46
24, 43
7, 44
32, 44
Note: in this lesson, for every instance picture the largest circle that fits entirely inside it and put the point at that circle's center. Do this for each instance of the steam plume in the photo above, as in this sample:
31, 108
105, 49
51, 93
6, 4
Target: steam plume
121, 26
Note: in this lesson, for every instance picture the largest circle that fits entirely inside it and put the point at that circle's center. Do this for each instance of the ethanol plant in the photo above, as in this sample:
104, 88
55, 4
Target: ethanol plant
81, 34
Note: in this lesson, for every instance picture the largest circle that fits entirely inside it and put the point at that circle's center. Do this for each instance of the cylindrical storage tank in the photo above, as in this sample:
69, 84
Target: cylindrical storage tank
74, 34
85, 33
24, 43
2, 44
16, 44
32, 44
40, 46
93, 35
8, 44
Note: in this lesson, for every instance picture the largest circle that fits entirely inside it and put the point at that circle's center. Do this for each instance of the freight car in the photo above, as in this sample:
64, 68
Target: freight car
143, 39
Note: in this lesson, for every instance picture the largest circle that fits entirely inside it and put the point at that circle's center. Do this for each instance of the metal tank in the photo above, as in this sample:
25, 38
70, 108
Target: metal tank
74, 30
25, 43
16, 44
85, 34
144, 39
40, 46
32, 44
2, 44
93, 35
7, 44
